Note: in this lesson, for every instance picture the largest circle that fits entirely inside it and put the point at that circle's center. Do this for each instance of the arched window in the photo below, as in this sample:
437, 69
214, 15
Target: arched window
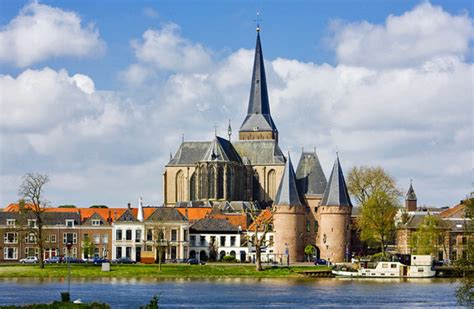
229, 183
221, 255
220, 182
212, 183
272, 184
255, 186
192, 187
203, 183
180, 185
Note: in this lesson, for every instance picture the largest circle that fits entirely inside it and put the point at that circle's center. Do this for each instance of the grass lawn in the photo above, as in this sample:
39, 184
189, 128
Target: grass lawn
152, 271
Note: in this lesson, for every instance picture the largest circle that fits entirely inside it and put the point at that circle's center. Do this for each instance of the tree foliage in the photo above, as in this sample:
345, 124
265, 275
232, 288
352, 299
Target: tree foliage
262, 223
31, 192
430, 237
465, 291
364, 181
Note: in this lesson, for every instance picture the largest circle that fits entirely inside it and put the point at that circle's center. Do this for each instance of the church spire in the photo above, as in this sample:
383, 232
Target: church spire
336, 190
287, 193
258, 112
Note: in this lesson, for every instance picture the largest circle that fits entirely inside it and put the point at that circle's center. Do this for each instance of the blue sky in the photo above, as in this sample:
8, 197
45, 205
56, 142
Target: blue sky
384, 82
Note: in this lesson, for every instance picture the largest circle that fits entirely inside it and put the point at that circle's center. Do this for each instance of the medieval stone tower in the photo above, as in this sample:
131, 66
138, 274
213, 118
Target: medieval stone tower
288, 219
335, 215
410, 199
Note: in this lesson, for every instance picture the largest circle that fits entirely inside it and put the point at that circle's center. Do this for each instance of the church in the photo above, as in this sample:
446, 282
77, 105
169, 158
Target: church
252, 172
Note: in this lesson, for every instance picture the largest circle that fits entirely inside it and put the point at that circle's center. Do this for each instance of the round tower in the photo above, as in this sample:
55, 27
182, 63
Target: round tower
334, 235
288, 218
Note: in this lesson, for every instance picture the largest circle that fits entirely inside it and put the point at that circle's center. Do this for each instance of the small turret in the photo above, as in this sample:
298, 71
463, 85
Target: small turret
410, 199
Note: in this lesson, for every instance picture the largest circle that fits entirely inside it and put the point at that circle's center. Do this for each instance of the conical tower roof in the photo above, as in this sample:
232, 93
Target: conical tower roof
310, 175
411, 195
258, 112
287, 193
336, 190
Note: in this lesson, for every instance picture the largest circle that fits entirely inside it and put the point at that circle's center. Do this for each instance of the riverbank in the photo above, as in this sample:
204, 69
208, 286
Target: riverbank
152, 271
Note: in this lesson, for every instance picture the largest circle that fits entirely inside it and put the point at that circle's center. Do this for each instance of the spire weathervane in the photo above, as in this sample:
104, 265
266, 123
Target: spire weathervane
229, 131
258, 20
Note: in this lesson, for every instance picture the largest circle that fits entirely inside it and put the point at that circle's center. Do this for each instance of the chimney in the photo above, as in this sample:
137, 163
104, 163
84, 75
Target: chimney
109, 219
115, 215
140, 209
129, 205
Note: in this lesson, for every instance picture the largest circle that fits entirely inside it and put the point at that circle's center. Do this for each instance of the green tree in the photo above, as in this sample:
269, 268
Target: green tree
465, 292
430, 237
309, 251
364, 181
376, 219
88, 247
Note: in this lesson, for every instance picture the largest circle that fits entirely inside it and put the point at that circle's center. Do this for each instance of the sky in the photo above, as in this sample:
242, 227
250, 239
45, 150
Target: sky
97, 94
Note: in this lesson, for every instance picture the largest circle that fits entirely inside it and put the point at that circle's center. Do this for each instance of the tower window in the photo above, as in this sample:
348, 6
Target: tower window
308, 226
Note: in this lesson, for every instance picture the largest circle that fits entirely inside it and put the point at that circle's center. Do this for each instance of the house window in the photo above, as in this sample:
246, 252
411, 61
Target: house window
105, 238
138, 235
31, 223
118, 252
86, 236
10, 253
192, 240
74, 252
95, 222
70, 223
232, 241
29, 251
149, 234
222, 243
10, 238
53, 238
185, 235
30, 238
118, 234
70, 238
128, 252
174, 235
454, 255
96, 239
270, 240
11, 222
202, 240
308, 226
128, 235
316, 226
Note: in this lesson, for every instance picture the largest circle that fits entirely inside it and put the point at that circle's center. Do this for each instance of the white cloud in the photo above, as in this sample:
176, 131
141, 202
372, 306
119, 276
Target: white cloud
40, 32
410, 39
413, 119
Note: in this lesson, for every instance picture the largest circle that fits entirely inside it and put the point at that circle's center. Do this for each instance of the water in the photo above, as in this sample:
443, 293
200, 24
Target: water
238, 292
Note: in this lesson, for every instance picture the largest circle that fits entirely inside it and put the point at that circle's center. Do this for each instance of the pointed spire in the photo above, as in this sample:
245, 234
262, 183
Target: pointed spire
229, 131
140, 209
258, 112
336, 190
310, 174
287, 193
411, 195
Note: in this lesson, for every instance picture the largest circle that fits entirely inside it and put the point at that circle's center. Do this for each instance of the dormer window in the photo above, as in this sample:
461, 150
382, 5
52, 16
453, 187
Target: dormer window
11, 222
70, 223
96, 222
31, 223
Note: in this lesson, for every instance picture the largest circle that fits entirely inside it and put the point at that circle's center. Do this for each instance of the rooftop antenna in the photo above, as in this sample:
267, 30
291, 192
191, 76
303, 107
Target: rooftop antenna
314, 149
258, 20
182, 138
337, 152
229, 131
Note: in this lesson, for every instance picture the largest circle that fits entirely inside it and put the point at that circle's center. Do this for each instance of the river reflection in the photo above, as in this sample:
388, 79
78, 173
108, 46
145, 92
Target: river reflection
238, 292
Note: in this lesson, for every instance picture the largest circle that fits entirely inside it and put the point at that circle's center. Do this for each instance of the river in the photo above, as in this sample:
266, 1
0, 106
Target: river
239, 292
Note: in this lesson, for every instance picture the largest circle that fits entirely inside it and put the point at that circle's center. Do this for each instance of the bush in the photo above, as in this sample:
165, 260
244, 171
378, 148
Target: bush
229, 259
379, 257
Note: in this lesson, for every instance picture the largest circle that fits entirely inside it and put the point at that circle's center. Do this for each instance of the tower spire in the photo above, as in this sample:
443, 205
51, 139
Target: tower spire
336, 193
287, 193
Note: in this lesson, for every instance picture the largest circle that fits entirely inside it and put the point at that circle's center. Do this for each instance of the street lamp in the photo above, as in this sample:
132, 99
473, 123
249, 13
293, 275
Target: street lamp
68, 245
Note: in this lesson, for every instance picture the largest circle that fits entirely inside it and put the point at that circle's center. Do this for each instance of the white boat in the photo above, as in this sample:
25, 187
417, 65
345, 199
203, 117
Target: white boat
419, 266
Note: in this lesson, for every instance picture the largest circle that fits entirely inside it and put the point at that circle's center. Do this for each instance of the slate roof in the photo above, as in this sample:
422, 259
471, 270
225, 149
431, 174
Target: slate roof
310, 175
336, 193
260, 151
414, 221
258, 112
287, 193
49, 218
213, 225
95, 216
221, 149
127, 216
166, 214
189, 153
411, 195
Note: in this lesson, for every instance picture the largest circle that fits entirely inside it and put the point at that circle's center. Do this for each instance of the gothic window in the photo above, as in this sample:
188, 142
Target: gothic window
212, 183
272, 184
203, 183
180, 185
220, 182
229, 183
192, 187
255, 186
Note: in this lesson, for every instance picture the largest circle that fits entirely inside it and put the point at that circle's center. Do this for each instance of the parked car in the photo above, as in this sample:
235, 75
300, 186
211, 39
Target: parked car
72, 260
29, 260
195, 262
321, 262
124, 260
99, 260
53, 260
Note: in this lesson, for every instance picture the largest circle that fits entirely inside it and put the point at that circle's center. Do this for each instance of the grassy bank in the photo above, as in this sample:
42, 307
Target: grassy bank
151, 271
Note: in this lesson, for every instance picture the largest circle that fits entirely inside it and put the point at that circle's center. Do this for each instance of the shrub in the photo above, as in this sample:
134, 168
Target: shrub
229, 259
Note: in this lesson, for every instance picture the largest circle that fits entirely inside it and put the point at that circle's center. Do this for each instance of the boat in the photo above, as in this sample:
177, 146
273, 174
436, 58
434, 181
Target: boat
415, 266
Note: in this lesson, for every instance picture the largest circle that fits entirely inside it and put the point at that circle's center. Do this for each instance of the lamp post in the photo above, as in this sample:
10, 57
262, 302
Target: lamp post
68, 245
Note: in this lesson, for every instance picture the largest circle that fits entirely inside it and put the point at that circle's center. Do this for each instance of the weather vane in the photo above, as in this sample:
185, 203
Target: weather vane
258, 20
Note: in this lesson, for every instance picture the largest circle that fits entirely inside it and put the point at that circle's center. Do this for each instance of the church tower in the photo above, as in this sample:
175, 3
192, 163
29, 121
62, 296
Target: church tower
410, 199
288, 219
258, 125
335, 215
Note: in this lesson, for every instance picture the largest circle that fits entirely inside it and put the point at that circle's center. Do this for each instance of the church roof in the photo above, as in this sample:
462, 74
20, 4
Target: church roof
310, 175
287, 193
411, 195
260, 151
189, 153
336, 190
258, 112
221, 149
